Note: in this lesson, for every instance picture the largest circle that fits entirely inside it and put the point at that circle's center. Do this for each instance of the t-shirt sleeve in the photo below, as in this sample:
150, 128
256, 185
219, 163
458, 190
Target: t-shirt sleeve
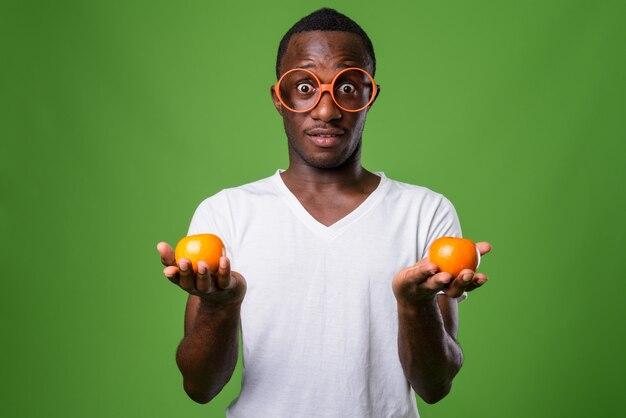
444, 223
213, 216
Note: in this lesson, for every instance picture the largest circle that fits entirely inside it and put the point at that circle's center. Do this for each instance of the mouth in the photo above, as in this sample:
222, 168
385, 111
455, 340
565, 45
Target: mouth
325, 138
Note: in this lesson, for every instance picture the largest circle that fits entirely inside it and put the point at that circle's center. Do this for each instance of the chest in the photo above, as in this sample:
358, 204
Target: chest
284, 252
329, 208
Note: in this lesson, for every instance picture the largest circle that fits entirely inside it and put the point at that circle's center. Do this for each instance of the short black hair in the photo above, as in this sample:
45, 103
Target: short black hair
325, 19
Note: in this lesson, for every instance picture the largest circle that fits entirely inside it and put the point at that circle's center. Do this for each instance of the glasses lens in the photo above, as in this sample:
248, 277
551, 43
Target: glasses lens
353, 89
299, 90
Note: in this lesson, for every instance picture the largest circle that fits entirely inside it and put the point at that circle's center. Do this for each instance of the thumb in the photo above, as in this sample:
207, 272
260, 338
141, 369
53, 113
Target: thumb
167, 254
418, 273
483, 247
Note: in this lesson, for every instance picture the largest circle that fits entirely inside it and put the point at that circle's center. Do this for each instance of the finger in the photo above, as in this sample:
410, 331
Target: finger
223, 276
419, 272
483, 247
203, 279
167, 254
187, 276
437, 281
422, 262
460, 283
478, 280
171, 272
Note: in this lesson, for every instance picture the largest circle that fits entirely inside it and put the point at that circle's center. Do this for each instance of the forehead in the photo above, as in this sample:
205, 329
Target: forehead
325, 50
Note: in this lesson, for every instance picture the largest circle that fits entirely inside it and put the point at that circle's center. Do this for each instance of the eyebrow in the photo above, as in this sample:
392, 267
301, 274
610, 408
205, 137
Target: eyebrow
340, 66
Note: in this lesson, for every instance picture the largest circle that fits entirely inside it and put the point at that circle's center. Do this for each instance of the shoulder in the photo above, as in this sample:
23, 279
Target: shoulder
414, 194
242, 194
216, 214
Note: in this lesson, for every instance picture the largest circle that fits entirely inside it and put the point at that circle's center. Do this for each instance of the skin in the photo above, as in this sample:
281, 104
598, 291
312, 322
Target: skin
329, 181
428, 324
207, 354
327, 177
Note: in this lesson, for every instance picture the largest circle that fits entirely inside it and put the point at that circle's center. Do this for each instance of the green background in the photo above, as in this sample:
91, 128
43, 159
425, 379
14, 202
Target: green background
119, 117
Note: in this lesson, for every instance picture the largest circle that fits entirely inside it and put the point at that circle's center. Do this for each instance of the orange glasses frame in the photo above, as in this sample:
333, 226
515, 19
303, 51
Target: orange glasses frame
328, 88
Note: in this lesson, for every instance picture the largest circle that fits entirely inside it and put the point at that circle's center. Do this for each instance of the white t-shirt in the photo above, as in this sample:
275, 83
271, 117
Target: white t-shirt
319, 319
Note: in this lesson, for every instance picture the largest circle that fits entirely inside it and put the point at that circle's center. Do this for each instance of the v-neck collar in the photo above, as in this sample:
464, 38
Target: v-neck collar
331, 231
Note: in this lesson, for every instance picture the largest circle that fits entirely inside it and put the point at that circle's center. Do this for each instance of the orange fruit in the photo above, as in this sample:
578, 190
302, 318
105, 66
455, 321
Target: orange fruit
454, 254
200, 247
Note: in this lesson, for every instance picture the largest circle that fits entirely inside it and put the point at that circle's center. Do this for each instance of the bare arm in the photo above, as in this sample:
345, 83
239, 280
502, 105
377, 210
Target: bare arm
207, 355
427, 329
429, 355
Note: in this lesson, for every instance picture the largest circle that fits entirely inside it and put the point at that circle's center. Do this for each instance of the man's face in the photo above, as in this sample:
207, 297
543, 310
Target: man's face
326, 136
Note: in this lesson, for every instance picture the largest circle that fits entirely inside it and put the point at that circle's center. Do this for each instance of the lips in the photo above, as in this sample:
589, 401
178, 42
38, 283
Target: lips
324, 137
324, 132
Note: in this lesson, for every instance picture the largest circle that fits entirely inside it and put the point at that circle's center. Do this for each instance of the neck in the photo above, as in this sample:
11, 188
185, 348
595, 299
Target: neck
301, 172
350, 176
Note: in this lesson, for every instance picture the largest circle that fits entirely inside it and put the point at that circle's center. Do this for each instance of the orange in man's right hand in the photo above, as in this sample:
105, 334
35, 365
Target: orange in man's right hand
200, 247
454, 254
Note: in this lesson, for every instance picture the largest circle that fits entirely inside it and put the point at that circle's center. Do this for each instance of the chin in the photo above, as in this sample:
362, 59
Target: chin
324, 163
328, 160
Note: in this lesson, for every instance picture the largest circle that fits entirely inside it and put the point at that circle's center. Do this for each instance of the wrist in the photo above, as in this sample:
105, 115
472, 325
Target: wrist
215, 308
417, 305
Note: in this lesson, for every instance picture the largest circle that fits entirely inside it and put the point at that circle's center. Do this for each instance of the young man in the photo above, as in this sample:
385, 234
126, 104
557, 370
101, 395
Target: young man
341, 313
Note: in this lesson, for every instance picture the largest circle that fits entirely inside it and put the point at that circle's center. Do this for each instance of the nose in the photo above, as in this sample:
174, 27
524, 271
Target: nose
326, 109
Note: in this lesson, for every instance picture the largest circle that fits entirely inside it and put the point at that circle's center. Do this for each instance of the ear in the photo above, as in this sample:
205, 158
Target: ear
377, 93
277, 104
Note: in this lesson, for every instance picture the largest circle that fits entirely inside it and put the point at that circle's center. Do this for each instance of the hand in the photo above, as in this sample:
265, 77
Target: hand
220, 288
424, 280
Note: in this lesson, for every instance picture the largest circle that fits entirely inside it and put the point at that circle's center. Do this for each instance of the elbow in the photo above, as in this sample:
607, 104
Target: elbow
201, 399
432, 396
199, 396
435, 392
204, 391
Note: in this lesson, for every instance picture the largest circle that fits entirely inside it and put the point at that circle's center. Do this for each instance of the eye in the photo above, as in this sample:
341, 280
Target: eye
346, 88
305, 88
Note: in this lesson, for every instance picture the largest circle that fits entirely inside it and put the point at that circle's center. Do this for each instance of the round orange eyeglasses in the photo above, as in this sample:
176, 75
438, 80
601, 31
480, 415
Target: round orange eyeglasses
352, 89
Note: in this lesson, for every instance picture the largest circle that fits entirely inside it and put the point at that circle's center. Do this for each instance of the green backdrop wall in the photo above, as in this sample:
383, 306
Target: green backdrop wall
119, 117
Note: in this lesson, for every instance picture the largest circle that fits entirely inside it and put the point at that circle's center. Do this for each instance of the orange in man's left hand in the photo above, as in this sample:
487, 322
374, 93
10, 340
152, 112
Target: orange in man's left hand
454, 254
200, 247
